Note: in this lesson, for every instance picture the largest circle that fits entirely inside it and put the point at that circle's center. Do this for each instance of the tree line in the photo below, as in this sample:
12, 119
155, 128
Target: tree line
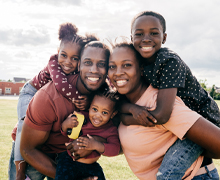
212, 91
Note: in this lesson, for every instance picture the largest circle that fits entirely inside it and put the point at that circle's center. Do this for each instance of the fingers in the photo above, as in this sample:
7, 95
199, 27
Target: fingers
91, 178
82, 142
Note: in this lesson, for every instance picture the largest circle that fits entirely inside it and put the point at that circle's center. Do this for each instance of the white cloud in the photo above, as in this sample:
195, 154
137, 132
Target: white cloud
29, 30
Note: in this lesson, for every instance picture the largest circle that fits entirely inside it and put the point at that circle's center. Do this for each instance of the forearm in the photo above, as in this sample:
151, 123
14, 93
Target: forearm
164, 107
39, 161
128, 120
99, 147
20, 169
206, 134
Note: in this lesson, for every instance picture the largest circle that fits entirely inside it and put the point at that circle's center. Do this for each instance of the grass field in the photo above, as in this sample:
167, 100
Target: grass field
115, 168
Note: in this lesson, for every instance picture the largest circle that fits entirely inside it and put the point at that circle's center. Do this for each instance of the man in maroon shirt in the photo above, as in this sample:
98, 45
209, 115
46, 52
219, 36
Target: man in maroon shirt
41, 134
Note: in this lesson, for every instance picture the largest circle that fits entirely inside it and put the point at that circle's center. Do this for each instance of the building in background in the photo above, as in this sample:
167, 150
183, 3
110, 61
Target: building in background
12, 88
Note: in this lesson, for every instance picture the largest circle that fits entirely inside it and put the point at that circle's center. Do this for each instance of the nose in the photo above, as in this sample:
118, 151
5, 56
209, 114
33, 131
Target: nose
146, 38
93, 68
68, 60
118, 71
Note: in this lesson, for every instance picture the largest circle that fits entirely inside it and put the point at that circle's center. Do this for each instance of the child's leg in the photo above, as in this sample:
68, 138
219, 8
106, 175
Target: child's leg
11, 166
69, 169
25, 96
179, 157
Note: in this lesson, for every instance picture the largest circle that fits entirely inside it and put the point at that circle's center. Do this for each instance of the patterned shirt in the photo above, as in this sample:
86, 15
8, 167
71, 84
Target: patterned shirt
54, 72
170, 71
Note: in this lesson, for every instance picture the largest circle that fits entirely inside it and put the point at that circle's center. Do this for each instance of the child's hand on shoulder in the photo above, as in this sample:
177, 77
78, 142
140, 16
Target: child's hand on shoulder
143, 116
70, 122
88, 143
82, 103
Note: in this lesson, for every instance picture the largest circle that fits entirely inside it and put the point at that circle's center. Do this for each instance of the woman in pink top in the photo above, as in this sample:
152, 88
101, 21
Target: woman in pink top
145, 147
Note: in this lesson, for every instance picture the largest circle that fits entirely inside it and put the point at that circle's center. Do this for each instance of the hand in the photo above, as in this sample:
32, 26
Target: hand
82, 103
142, 116
70, 122
86, 143
91, 178
74, 148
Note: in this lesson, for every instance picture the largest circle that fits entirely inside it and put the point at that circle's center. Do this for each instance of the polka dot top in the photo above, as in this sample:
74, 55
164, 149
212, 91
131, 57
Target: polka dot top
170, 71
54, 72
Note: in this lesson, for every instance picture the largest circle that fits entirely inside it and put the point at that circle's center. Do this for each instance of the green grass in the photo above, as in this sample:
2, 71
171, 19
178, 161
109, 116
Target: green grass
8, 119
114, 167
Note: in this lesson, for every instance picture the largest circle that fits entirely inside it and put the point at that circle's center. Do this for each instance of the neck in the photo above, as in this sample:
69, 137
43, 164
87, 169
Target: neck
150, 60
135, 95
80, 86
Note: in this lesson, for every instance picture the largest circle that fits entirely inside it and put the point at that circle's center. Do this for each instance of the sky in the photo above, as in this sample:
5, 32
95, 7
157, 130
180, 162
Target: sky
29, 31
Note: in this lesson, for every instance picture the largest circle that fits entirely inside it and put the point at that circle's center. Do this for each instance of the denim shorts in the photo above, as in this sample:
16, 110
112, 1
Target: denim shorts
25, 96
178, 158
209, 175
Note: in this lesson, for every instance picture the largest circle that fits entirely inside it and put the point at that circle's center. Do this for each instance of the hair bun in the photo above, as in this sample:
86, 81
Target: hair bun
66, 30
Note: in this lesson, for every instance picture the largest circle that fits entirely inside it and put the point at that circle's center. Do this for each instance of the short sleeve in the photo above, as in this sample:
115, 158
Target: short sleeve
41, 112
181, 120
173, 74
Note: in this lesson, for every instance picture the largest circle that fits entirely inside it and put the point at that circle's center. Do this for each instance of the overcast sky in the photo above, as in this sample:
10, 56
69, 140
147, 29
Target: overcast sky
29, 30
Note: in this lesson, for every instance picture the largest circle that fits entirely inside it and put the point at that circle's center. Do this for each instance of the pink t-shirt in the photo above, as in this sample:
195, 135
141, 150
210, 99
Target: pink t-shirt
145, 147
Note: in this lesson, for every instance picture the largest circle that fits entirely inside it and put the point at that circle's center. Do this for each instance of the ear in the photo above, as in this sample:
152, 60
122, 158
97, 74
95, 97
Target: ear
131, 38
113, 114
164, 38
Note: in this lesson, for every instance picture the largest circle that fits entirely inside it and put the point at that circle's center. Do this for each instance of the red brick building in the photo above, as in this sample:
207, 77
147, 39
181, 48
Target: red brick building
10, 88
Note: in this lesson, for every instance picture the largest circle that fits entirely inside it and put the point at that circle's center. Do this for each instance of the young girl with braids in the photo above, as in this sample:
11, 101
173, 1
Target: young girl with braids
59, 66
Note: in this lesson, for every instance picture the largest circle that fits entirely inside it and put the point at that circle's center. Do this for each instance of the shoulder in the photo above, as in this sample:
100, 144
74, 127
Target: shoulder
165, 54
54, 57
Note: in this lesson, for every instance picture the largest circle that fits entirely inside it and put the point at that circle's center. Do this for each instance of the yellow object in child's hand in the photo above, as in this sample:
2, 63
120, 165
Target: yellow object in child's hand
76, 130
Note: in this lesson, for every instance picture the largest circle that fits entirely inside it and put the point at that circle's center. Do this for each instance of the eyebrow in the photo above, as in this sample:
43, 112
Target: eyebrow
142, 29
98, 106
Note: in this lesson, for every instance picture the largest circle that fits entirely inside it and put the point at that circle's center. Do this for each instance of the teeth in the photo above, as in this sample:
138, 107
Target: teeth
121, 82
66, 68
95, 121
146, 48
93, 79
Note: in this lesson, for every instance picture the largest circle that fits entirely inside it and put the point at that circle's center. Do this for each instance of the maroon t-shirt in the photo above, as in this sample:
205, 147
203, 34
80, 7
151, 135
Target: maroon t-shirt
46, 112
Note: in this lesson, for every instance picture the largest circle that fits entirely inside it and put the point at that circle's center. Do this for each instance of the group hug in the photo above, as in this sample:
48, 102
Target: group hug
133, 97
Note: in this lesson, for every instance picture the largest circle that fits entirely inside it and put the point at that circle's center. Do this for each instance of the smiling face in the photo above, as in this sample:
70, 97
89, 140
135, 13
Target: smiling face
93, 68
148, 36
68, 56
125, 72
101, 110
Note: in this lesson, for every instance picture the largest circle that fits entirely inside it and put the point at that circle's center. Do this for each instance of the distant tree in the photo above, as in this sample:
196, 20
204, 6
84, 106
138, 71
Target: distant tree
9, 80
217, 96
212, 92
203, 83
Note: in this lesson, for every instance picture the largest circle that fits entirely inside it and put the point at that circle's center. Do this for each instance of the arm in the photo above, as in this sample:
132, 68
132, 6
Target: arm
165, 102
206, 134
79, 153
69, 122
128, 120
31, 140
59, 78
90, 144
109, 148
140, 115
